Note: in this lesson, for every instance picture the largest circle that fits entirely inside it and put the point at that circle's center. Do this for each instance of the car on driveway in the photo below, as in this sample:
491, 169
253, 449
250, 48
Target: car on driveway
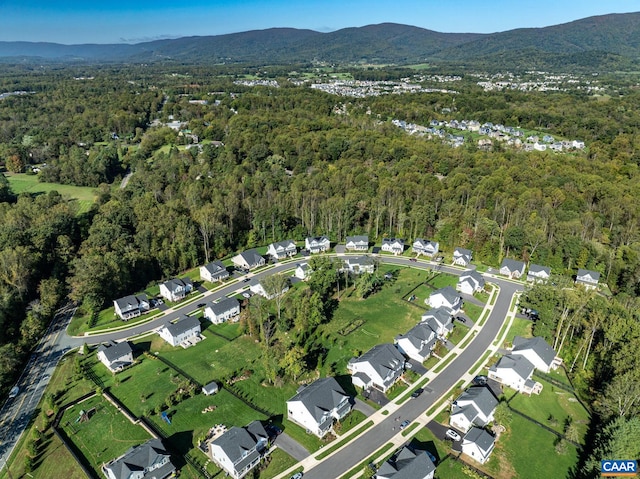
461, 319
417, 392
404, 424
453, 435
480, 380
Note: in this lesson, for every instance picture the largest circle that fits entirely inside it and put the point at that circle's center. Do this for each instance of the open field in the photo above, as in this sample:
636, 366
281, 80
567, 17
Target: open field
23, 183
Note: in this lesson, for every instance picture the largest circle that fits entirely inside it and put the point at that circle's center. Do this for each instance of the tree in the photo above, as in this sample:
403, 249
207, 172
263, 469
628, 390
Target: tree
293, 362
275, 286
618, 439
621, 396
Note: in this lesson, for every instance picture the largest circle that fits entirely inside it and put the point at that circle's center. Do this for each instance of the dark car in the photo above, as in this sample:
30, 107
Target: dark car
461, 319
413, 260
201, 305
480, 380
417, 392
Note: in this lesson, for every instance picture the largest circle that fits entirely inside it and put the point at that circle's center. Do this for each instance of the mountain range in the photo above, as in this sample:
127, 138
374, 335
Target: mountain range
601, 42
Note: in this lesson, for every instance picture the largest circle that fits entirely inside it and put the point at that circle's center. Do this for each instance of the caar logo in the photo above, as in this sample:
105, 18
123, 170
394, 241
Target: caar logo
618, 467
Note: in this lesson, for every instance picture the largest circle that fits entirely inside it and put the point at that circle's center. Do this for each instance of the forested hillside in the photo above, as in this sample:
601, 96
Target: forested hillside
274, 163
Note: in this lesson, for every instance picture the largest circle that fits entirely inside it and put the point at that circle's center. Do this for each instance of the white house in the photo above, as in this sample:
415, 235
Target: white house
588, 279
317, 406
359, 264
440, 320
478, 444
426, 247
240, 449
537, 351
380, 367
357, 243
393, 245
222, 311
303, 270
407, 464
474, 407
446, 297
131, 306
462, 257
257, 287
317, 244
512, 268
148, 460
176, 289
248, 260
418, 342
515, 372
214, 271
470, 282
538, 274
282, 249
115, 356
185, 329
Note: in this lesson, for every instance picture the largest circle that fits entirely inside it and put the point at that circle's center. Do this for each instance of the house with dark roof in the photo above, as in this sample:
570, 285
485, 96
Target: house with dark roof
516, 372
318, 405
213, 272
470, 282
407, 464
588, 279
462, 257
512, 268
538, 274
223, 310
282, 249
379, 368
418, 342
258, 287
115, 356
393, 245
182, 332
478, 444
446, 297
317, 244
425, 247
357, 243
440, 320
146, 461
176, 289
131, 306
240, 449
537, 351
474, 407
248, 260
359, 264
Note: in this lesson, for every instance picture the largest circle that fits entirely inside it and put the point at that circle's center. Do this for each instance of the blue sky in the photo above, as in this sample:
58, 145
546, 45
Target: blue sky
133, 21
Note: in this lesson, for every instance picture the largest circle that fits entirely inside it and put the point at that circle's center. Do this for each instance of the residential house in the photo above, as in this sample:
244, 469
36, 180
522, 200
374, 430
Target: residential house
462, 257
317, 244
478, 444
145, 461
418, 342
187, 328
210, 389
248, 260
440, 320
131, 306
515, 371
282, 249
446, 297
512, 268
176, 289
359, 264
317, 406
357, 243
380, 367
407, 464
213, 272
257, 287
393, 245
470, 282
240, 449
115, 356
474, 407
588, 279
223, 310
425, 247
303, 270
538, 274
538, 352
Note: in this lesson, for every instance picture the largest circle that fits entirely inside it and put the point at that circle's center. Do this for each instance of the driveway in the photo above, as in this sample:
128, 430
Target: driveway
467, 298
291, 447
417, 367
376, 396
439, 431
363, 407
468, 322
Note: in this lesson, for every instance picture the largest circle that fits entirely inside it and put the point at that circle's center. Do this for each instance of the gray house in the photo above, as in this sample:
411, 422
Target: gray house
512, 268
214, 271
248, 260
146, 461
407, 464
176, 289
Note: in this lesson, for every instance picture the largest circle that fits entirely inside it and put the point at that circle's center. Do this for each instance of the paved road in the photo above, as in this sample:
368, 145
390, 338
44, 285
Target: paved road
380, 434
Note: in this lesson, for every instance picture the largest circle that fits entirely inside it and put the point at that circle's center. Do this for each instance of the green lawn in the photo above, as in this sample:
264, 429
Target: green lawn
519, 327
278, 461
107, 422
473, 311
449, 469
23, 183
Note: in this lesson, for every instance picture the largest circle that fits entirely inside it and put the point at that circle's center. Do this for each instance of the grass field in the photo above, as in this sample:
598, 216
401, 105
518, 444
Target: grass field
23, 183
519, 327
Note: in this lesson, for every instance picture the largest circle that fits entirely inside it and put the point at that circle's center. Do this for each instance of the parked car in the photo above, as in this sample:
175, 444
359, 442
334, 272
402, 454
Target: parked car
14, 392
404, 424
461, 319
414, 260
480, 380
297, 475
452, 435
417, 392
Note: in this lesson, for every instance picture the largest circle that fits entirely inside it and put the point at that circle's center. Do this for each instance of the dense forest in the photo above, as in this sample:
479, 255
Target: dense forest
266, 163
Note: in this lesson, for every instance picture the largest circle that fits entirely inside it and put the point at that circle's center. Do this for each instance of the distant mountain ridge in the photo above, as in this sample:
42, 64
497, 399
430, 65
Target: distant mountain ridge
610, 40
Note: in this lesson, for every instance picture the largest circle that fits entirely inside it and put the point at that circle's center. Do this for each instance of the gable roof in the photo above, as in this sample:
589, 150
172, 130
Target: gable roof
237, 441
251, 257
113, 351
359, 260
537, 269
473, 276
176, 284
139, 458
482, 398
358, 239
537, 345
585, 272
223, 306
215, 268
184, 324
392, 241
423, 243
383, 358
316, 240
512, 265
440, 315
519, 364
448, 293
131, 302
320, 397
462, 252
284, 244
480, 438
407, 465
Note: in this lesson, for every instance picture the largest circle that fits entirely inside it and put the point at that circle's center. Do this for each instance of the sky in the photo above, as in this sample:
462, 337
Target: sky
134, 21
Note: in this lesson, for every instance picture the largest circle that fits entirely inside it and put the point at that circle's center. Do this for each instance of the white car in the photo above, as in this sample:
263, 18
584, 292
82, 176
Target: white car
453, 435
